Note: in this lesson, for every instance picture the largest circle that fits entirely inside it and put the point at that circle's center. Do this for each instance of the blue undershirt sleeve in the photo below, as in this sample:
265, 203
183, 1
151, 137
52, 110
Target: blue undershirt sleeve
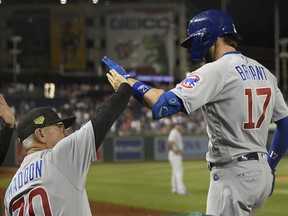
279, 143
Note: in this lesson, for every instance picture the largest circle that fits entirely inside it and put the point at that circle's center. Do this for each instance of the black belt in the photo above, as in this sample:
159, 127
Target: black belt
250, 156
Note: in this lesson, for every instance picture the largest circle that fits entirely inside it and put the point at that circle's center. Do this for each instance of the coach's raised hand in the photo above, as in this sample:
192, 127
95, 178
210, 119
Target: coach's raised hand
115, 79
113, 65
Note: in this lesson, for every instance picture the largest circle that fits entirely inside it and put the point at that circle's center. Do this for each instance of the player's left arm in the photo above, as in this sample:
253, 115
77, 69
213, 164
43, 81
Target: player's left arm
279, 143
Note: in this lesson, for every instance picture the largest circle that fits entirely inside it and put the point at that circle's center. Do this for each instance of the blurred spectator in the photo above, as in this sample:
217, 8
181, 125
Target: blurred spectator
80, 100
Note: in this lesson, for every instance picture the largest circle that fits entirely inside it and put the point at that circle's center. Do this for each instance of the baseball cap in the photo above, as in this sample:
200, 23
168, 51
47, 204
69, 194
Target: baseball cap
38, 118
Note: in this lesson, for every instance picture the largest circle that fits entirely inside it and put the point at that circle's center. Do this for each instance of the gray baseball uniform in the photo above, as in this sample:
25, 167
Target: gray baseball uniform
176, 162
238, 96
176, 137
233, 84
61, 187
52, 182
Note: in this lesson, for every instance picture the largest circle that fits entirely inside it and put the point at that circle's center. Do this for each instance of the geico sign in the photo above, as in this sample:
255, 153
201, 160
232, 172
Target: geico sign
139, 23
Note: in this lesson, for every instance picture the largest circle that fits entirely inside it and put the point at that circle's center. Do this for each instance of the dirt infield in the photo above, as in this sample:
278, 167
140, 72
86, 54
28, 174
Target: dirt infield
97, 208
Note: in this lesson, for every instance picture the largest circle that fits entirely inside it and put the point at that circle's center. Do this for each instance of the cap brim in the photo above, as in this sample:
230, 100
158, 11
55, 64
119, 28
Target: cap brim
187, 43
68, 122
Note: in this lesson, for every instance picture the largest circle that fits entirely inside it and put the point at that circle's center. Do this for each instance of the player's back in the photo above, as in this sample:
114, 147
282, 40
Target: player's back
39, 186
53, 181
239, 116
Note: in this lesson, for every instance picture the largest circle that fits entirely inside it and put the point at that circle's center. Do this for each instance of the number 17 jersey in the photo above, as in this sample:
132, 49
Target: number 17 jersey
239, 99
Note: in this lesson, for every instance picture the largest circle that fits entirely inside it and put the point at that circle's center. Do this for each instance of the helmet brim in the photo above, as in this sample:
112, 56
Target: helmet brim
187, 43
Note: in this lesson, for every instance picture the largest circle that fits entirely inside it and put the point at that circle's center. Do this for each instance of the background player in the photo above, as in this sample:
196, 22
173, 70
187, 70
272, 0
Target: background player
7, 125
176, 147
239, 98
51, 178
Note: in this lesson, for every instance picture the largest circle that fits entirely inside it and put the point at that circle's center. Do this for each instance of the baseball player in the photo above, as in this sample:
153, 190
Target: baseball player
176, 147
51, 179
7, 121
239, 98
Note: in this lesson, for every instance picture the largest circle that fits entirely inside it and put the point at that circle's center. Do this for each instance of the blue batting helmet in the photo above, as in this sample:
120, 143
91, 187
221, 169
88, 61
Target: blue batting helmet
204, 29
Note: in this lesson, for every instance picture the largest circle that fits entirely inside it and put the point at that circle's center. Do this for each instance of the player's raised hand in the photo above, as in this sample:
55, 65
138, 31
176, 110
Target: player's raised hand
113, 65
6, 113
115, 79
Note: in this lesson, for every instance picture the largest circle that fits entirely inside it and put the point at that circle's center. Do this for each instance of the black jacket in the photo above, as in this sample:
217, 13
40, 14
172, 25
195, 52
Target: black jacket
5, 138
108, 112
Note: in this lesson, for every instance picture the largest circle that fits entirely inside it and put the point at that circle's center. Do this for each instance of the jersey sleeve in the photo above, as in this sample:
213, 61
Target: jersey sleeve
200, 87
280, 108
74, 154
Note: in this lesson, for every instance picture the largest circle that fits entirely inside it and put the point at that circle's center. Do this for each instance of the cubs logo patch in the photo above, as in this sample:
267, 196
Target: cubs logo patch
191, 81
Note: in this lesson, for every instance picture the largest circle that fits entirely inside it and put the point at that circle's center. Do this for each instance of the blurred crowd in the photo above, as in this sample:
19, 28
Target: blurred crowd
81, 100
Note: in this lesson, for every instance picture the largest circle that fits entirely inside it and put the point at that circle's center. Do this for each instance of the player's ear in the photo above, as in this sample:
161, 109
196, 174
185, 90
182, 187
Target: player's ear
38, 133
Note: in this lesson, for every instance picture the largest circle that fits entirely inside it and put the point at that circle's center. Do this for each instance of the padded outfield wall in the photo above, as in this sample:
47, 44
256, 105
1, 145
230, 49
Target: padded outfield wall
133, 149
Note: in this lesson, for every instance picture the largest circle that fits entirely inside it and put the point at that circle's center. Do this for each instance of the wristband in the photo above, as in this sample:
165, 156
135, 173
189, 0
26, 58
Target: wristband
139, 89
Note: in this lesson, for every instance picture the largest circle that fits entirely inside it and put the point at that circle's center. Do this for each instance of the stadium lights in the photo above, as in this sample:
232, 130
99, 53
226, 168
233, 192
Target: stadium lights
65, 1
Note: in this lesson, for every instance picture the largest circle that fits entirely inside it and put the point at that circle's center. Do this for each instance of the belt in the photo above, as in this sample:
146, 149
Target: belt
246, 157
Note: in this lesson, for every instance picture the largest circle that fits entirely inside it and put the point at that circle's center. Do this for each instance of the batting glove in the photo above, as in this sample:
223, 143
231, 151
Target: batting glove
113, 65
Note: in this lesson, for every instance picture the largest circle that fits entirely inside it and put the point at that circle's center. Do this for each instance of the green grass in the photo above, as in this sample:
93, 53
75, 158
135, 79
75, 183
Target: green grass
147, 185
